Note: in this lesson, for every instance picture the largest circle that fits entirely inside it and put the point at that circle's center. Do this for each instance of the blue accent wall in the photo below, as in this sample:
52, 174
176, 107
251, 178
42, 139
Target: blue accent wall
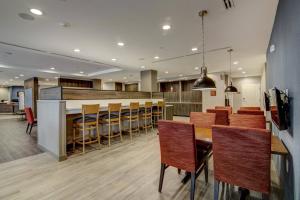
14, 91
283, 71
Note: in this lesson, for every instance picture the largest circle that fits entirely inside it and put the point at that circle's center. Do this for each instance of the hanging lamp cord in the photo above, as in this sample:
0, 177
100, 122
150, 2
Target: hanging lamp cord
203, 44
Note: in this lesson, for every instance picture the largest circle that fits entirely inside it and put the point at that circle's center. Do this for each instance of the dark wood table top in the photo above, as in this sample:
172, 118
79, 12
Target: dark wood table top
277, 147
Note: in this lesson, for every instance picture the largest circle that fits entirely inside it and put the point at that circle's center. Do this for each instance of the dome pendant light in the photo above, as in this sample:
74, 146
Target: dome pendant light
230, 88
204, 82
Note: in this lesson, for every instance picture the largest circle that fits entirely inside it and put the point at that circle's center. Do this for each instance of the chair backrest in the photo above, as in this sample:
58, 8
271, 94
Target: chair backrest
222, 116
29, 115
114, 107
161, 104
134, 105
203, 120
177, 144
148, 104
250, 108
242, 157
229, 108
90, 109
250, 112
250, 121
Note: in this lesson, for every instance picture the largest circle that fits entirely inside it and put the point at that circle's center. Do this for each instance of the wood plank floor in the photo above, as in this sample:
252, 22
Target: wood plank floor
14, 142
124, 171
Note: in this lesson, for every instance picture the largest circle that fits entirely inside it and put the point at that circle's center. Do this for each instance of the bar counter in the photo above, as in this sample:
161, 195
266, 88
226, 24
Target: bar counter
54, 120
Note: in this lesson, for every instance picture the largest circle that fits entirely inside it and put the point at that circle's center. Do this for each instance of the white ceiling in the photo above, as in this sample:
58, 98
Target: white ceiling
98, 25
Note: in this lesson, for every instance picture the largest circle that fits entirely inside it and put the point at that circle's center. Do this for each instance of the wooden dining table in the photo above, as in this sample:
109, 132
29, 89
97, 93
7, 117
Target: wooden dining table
205, 135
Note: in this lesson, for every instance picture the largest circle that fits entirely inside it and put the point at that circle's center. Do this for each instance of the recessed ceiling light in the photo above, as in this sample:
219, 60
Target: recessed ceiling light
244, 72
52, 68
156, 57
11, 79
76, 50
240, 68
81, 72
114, 59
36, 11
166, 27
236, 62
196, 68
16, 77
21, 75
124, 77
121, 44
180, 74
195, 49
110, 79
143, 67
166, 72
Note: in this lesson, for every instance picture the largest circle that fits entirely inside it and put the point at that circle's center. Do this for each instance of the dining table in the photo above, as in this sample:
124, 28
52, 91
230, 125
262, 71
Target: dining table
205, 135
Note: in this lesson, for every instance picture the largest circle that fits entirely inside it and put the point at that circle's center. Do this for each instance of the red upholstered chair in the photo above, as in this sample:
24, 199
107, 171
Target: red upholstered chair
30, 119
242, 157
178, 149
222, 116
250, 108
202, 120
250, 112
249, 121
229, 108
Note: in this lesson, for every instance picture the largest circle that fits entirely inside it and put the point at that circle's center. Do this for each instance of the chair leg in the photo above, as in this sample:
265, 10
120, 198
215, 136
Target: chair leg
98, 135
74, 135
179, 171
161, 178
120, 129
193, 183
27, 128
109, 129
206, 171
83, 140
30, 129
216, 189
130, 128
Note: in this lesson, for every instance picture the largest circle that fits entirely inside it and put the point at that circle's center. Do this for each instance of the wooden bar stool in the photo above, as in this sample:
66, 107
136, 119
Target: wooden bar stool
159, 112
146, 115
87, 122
113, 118
132, 116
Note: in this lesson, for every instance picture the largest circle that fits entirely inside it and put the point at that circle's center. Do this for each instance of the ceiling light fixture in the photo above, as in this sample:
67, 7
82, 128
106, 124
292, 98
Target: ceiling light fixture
21, 75
36, 11
143, 67
196, 68
244, 72
81, 72
114, 59
166, 72
52, 68
180, 75
124, 77
204, 82
195, 49
230, 88
121, 44
236, 62
156, 57
76, 50
16, 77
240, 68
166, 27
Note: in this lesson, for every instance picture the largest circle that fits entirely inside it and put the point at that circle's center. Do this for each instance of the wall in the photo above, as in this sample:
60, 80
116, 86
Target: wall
4, 94
238, 82
212, 101
14, 91
109, 86
283, 71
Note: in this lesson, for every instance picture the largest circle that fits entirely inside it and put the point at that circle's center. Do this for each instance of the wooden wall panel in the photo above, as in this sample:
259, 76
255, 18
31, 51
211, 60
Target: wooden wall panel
53, 93
65, 82
134, 87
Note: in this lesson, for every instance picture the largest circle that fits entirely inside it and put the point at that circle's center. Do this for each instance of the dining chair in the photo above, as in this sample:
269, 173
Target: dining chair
222, 116
202, 120
85, 125
178, 149
242, 157
31, 121
250, 121
249, 108
229, 108
146, 116
158, 112
250, 112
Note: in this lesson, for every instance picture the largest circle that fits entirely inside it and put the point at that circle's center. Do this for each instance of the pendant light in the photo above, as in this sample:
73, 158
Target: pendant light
204, 82
230, 88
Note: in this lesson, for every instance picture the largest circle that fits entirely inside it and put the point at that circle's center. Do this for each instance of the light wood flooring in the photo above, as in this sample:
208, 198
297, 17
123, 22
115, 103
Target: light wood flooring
124, 171
14, 142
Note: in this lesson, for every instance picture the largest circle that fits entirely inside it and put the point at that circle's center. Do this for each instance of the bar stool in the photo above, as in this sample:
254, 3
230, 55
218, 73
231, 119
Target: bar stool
111, 119
159, 112
146, 115
87, 122
132, 116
